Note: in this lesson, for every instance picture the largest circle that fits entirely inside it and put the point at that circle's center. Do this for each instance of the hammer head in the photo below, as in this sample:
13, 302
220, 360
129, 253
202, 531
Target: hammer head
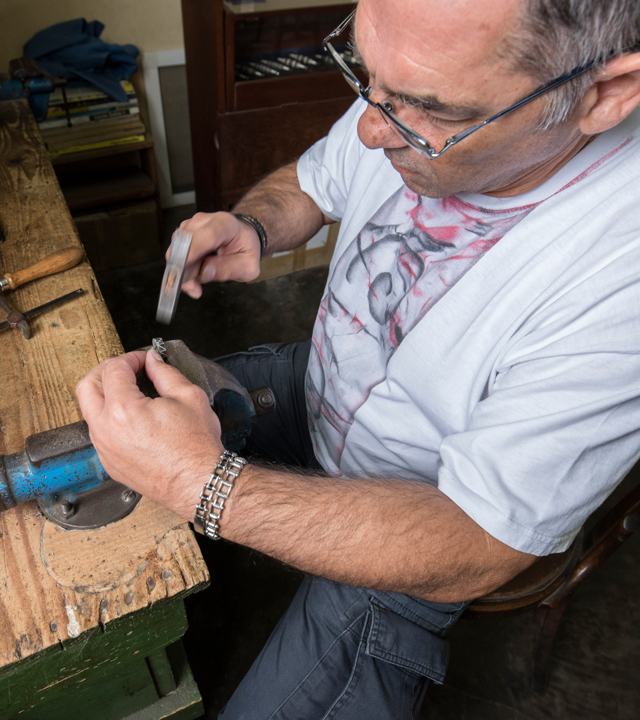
15, 319
19, 321
173, 274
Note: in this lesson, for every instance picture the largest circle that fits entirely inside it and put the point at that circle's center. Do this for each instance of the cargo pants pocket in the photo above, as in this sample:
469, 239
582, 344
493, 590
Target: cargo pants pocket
394, 662
399, 641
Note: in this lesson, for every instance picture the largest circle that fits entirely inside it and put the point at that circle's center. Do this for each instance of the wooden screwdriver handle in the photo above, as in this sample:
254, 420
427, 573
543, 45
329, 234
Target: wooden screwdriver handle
54, 263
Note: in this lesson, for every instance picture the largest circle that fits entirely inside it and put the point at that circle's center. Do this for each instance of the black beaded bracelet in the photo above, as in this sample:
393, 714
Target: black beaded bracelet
257, 226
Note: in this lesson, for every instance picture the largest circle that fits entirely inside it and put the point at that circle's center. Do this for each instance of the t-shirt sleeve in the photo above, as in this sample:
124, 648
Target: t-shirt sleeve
326, 170
558, 427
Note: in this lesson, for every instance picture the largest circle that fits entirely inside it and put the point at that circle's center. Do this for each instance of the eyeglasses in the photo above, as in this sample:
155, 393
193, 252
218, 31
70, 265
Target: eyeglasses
410, 136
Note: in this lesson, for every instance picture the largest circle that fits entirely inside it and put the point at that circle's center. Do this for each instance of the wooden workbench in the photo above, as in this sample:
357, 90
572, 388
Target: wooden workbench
90, 621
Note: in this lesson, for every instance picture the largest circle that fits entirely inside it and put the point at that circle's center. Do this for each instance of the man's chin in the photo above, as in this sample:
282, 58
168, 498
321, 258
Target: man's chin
416, 181
423, 187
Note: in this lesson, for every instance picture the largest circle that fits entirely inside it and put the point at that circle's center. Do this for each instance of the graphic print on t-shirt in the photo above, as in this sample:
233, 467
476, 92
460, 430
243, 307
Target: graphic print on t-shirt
401, 263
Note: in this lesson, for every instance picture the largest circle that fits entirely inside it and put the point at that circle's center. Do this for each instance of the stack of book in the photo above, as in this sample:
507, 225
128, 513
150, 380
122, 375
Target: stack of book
90, 119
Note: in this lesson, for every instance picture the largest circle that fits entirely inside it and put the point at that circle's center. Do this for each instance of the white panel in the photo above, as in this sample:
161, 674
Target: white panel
151, 61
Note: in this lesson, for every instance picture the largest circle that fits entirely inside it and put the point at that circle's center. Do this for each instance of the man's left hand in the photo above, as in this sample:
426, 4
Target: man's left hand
165, 448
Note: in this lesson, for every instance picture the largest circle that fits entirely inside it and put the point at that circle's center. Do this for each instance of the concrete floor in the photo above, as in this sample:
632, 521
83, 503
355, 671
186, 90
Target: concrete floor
595, 667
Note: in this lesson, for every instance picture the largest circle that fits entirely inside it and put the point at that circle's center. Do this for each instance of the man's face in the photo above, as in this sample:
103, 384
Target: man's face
442, 57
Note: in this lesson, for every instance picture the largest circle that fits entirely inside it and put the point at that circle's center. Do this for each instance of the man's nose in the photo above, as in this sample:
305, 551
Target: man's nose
375, 132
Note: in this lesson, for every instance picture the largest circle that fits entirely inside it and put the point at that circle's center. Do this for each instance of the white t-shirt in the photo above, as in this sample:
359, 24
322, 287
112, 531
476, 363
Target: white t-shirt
491, 346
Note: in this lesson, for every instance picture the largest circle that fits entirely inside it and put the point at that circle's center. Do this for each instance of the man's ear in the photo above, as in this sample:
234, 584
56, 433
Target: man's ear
615, 93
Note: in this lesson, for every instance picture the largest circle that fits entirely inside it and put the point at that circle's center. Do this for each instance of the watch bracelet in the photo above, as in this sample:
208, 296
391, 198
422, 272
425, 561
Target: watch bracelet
214, 493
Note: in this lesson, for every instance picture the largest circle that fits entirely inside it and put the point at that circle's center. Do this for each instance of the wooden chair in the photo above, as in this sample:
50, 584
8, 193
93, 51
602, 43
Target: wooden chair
549, 584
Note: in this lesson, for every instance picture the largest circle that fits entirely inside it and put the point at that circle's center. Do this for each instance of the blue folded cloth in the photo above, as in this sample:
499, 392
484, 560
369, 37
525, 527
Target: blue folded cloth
73, 49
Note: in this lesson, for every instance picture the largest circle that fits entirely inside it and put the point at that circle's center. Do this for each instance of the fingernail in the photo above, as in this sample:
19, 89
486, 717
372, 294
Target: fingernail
208, 273
155, 355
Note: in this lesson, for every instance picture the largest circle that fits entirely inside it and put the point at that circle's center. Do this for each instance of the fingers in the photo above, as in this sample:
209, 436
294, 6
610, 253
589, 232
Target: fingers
198, 221
119, 376
90, 396
108, 377
115, 379
218, 235
242, 267
192, 288
210, 231
167, 380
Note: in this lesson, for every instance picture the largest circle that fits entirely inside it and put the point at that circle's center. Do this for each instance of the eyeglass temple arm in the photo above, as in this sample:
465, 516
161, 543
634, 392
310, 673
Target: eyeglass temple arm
547, 88
341, 27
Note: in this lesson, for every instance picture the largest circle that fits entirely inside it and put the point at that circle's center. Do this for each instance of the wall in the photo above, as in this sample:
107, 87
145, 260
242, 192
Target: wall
149, 24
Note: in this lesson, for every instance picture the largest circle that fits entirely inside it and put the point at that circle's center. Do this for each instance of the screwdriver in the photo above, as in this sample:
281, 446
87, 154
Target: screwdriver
54, 263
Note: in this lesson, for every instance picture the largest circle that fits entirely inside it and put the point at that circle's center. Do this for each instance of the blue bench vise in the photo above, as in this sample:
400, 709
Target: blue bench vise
60, 468
27, 80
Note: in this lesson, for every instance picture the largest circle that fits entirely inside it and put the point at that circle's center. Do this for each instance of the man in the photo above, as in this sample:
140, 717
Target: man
472, 387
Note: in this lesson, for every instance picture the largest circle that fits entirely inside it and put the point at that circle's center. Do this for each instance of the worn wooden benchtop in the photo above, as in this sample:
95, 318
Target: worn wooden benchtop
57, 584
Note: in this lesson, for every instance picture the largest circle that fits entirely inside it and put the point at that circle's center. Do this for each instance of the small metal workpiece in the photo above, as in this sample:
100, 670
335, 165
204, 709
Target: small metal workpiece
173, 274
158, 345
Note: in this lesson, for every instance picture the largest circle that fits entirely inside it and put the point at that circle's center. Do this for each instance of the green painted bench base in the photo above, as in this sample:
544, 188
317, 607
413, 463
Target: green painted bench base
134, 668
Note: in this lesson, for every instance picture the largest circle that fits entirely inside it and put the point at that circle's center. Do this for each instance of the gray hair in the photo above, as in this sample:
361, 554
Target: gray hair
556, 36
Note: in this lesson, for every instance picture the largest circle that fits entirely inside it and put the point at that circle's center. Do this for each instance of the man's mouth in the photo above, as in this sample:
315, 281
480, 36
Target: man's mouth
401, 170
392, 157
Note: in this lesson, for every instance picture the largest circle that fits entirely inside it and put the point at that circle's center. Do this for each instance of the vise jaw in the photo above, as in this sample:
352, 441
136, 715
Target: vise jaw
61, 470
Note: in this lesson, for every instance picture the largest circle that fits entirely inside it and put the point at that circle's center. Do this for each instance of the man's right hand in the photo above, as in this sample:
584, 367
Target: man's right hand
223, 248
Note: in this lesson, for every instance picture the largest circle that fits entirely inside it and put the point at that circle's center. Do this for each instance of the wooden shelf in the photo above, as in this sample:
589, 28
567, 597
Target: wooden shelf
67, 158
84, 191
305, 87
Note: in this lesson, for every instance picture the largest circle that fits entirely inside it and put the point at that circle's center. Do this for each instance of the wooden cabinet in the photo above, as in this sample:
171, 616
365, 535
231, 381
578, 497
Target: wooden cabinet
247, 124
112, 193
